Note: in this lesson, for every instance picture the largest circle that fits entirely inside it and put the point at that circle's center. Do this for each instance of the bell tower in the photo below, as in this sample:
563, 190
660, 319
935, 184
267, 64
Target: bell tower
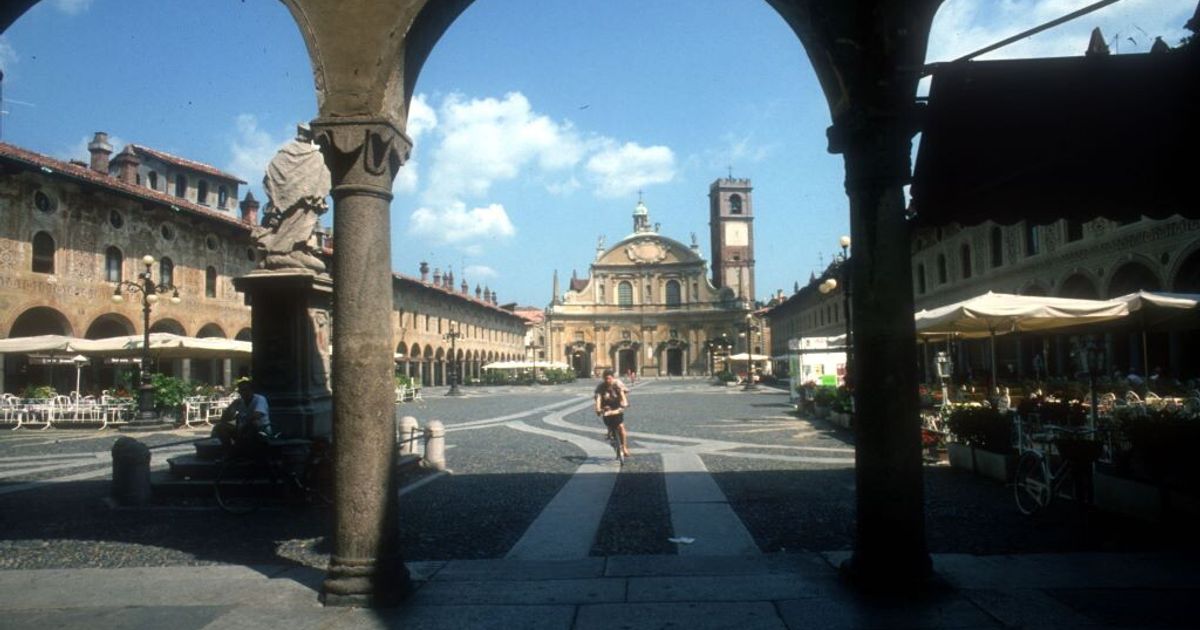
731, 221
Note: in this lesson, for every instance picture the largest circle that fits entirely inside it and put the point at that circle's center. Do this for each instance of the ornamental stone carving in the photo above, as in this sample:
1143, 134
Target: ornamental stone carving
645, 252
297, 183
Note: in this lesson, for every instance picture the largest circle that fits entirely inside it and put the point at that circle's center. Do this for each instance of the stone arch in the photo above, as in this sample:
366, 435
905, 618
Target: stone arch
168, 325
1078, 285
1186, 278
41, 320
244, 335
1132, 276
109, 325
211, 330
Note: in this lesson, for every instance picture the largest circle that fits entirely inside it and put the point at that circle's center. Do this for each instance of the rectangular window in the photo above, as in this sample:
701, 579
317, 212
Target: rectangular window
1074, 230
1032, 243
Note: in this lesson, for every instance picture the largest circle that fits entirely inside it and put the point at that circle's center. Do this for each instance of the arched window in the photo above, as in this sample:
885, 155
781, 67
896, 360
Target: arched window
180, 185
941, 268
210, 282
921, 279
202, 192
735, 204
222, 196
152, 179
673, 297
43, 253
625, 295
964, 255
997, 247
113, 262
166, 271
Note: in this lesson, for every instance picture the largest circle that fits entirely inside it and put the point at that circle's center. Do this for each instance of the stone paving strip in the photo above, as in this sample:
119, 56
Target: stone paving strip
567, 526
699, 510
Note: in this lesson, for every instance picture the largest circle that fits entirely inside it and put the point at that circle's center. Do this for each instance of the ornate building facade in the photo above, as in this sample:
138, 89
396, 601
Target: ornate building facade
70, 230
648, 304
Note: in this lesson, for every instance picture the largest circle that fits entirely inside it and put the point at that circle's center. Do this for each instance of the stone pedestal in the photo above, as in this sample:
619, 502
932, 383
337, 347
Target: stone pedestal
290, 328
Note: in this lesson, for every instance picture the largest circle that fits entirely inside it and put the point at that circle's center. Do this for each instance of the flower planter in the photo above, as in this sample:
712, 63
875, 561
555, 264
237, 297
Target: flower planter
996, 466
840, 418
821, 412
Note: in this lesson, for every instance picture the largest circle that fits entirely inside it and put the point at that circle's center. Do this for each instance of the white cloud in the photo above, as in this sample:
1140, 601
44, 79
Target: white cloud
71, 7
483, 141
455, 225
618, 171
421, 119
480, 271
8, 55
252, 149
964, 26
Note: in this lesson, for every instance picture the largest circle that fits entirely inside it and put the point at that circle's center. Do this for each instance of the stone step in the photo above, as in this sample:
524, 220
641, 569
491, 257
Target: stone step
209, 449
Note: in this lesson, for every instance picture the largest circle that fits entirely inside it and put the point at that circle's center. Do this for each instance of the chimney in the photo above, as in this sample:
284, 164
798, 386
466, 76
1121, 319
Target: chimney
449, 278
437, 277
100, 150
478, 293
424, 271
127, 163
249, 207
464, 288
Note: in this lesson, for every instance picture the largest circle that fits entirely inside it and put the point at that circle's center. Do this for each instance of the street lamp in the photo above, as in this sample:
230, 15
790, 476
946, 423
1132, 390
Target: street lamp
452, 337
830, 285
532, 349
750, 329
149, 290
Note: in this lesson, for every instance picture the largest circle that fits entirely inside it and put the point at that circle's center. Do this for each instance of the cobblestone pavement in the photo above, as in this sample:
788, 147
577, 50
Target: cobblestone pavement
715, 468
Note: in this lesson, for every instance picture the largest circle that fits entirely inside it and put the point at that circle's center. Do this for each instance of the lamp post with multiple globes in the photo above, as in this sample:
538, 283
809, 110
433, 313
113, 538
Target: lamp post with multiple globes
452, 337
149, 291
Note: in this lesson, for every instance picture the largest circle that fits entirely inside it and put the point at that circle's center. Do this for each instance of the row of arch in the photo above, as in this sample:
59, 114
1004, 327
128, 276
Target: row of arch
46, 320
1133, 275
45, 249
429, 365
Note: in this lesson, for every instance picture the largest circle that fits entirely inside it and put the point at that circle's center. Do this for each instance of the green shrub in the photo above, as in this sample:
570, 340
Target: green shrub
1160, 446
169, 392
726, 376
39, 391
824, 397
981, 427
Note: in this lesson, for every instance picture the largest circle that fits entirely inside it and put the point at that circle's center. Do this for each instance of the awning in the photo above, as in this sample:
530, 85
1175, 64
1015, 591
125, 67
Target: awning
167, 346
993, 314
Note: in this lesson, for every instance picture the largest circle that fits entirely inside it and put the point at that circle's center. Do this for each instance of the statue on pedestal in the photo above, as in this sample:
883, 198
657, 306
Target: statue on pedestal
297, 183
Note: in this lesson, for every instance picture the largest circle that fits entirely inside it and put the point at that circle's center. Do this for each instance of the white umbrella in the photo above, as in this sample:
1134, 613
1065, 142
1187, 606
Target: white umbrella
994, 314
167, 345
1161, 310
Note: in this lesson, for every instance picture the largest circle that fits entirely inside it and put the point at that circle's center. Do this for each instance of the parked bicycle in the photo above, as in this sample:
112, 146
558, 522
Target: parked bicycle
1050, 458
299, 472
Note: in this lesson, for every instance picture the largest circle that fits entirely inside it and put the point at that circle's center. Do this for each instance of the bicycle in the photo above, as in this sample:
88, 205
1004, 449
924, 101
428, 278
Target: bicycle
300, 471
1038, 481
614, 439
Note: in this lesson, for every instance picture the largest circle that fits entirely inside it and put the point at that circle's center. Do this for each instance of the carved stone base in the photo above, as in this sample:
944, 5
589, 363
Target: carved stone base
365, 583
290, 328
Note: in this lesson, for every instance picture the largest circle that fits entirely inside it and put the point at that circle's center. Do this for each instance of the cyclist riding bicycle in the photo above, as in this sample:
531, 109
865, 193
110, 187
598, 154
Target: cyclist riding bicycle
611, 402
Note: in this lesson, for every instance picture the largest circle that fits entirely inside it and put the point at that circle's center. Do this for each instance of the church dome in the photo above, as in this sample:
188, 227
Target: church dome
641, 210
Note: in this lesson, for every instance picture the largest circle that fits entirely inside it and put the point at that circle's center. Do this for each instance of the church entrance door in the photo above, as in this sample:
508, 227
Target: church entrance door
674, 362
582, 365
626, 360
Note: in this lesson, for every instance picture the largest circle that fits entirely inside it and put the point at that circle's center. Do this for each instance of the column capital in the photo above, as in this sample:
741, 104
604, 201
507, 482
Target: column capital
363, 153
876, 144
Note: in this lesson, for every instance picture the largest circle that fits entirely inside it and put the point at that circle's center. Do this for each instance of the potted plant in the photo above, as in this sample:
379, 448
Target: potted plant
982, 440
823, 399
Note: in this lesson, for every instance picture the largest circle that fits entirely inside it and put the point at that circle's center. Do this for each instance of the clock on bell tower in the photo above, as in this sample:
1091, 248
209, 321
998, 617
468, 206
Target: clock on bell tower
731, 220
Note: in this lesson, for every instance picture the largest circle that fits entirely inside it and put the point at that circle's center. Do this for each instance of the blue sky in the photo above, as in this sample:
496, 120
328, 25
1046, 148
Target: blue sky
536, 122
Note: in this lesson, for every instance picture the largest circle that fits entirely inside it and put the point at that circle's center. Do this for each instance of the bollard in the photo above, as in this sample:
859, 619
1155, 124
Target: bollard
406, 435
131, 472
435, 445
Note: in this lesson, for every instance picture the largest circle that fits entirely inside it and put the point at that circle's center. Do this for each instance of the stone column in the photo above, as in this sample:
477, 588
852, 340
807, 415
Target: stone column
289, 327
363, 154
890, 550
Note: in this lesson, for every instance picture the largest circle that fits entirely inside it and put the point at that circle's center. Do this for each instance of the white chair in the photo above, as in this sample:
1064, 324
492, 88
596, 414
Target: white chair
13, 410
195, 411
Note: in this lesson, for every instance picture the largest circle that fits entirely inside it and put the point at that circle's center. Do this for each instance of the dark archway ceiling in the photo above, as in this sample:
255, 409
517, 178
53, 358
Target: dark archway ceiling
1040, 140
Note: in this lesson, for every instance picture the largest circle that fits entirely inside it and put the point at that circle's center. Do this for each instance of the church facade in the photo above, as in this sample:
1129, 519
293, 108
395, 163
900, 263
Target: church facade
648, 303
